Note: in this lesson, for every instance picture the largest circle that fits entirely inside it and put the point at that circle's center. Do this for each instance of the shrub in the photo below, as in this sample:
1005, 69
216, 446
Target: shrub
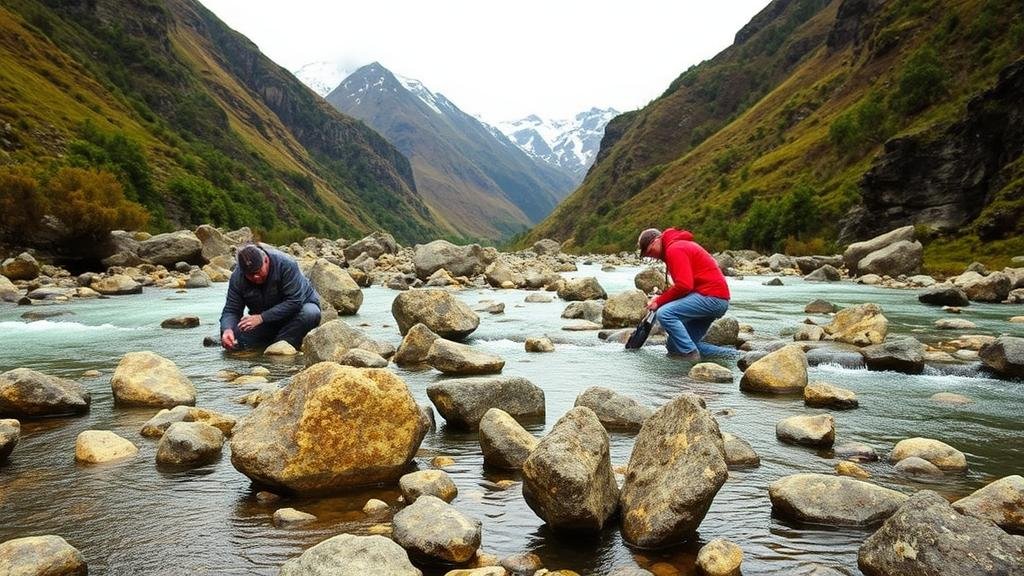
21, 204
921, 83
865, 124
92, 203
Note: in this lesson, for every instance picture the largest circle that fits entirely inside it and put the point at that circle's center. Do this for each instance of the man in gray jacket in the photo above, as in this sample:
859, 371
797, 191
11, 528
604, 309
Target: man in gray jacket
282, 303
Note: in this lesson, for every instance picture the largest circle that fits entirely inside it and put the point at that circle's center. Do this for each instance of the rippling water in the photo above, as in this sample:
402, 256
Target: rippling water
131, 518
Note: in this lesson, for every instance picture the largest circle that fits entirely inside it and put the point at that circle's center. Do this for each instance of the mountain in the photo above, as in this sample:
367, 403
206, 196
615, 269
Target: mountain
322, 77
473, 179
825, 122
191, 121
569, 144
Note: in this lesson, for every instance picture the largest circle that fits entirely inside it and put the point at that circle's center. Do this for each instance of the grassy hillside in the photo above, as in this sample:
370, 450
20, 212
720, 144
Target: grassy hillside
765, 146
195, 124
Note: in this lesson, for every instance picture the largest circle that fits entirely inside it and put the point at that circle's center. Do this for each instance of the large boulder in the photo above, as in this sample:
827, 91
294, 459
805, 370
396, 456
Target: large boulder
817, 431
992, 288
10, 433
350, 555
25, 393
578, 289
464, 401
903, 257
855, 252
547, 247
615, 411
323, 431
567, 479
21, 267
624, 310
1005, 356
676, 468
462, 360
374, 245
832, 500
170, 248
434, 531
148, 379
466, 261
214, 243
415, 346
944, 294
334, 285
826, 273
779, 372
504, 442
330, 341
41, 556
901, 355
443, 313
650, 279
927, 537
189, 444
860, 325
942, 455
499, 275
1001, 502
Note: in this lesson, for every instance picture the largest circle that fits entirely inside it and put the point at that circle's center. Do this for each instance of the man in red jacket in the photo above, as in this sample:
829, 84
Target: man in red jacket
697, 297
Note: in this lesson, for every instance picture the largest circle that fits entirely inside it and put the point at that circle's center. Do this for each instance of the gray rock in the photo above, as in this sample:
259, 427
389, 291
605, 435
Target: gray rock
676, 468
435, 483
197, 279
820, 306
954, 324
349, 555
614, 410
25, 393
41, 556
917, 468
710, 372
738, 452
992, 288
504, 442
855, 452
171, 248
723, 332
818, 430
214, 242
336, 286
832, 500
433, 530
462, 360
650, 279
927, 537
464, 401
567, 479
579, 289
189, 444
547, 247
332, 340
624, 310
499, 275
1002, 502
855, 252
826, 273
10, 433
1004, 356
466, 261
375, 245
901, 355
180, 322
589, 310
773, 282
899, 258
444, 314
943, 295
362, 359
538, 298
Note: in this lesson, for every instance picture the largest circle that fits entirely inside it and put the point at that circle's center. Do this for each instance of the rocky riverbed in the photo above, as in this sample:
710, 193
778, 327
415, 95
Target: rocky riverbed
910, 404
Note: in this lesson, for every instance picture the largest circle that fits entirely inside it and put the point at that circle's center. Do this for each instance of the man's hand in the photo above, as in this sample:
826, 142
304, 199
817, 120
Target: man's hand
653, 304
227, 339
250, 322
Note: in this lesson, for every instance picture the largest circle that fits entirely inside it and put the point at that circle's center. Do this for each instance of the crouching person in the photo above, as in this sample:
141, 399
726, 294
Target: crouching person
281, 302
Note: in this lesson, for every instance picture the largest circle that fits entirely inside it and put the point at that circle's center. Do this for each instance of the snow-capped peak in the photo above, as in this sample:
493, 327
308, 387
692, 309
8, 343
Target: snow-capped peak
322, 77
434, 101
571, 144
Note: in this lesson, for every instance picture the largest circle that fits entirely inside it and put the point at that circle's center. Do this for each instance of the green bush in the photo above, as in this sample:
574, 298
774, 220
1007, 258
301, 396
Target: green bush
768, 224
921, 83
21, 204
91, 203
864, 125
116, 153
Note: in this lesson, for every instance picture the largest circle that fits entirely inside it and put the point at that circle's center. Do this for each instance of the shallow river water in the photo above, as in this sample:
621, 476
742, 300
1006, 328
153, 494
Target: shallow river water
131, 518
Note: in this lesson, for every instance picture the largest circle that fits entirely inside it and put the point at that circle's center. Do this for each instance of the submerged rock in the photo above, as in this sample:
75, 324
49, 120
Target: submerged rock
41, 556
720, 558
463, 402
927, 537
290, 518
504, 442
322, 432
824, 395
615, 411
567, 479
917, 468
25, 393
943, 295
435, 531
832, 500
349, 555
676, 468
158, 424
180, 322
542, 344
710, 372
99, 446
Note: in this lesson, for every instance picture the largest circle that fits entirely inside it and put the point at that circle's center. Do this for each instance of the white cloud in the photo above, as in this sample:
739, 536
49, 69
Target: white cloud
506, 59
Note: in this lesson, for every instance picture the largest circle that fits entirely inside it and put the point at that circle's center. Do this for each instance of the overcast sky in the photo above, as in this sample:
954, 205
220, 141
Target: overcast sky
502, 60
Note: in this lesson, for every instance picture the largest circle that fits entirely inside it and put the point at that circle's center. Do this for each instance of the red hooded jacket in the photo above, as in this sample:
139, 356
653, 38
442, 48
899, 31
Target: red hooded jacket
691, 267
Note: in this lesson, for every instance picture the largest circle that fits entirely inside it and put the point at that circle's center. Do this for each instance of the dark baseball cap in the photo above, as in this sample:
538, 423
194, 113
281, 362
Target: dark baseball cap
645, 239
250, 258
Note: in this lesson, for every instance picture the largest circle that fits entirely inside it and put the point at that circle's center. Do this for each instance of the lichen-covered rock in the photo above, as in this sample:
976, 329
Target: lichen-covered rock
779, 372
720, 558
462, 360
1001, 502
336, 286
435, 483
189, 444
578, 289
322, 432
25, 393
567, 479
615, 411
350, 555
464, 401
443, 313
415, 346
832, 500
624, 310
942, 455
158, 424
676, 468
927, 537
41, 556
98, 446
147, 379
433, 530
861, 325
504, 442
332, 340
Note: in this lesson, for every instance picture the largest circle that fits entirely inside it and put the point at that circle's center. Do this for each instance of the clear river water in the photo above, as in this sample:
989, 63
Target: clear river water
130, 518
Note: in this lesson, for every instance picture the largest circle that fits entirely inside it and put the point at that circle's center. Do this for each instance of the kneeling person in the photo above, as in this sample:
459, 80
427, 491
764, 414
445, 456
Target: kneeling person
281, 303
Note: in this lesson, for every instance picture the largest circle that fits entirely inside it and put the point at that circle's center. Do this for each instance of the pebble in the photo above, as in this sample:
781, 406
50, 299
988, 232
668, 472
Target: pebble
950, 398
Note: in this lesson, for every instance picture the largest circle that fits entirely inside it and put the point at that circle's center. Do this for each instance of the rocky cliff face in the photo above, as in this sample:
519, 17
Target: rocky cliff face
944, 178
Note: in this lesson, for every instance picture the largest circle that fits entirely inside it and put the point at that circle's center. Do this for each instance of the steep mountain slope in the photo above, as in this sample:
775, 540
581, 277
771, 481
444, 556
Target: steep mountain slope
569, 144
195, 123
476, 181
768, 144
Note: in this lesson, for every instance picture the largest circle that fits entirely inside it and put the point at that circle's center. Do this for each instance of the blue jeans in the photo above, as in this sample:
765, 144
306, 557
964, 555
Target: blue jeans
687, 320
292, 330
